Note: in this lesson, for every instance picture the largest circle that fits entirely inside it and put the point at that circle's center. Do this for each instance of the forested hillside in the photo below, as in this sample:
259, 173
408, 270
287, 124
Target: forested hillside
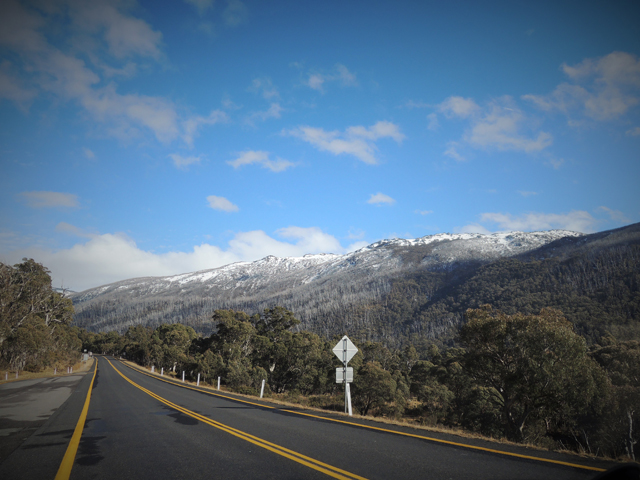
396, 293
594, 281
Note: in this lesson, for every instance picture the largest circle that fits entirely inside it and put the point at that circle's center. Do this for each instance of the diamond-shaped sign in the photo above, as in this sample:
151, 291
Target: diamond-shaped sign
345, 350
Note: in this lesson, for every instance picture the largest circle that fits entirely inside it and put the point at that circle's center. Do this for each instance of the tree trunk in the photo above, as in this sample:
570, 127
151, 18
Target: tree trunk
629, 444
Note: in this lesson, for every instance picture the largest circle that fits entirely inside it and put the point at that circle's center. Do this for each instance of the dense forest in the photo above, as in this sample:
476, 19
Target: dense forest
598, 292
524, 377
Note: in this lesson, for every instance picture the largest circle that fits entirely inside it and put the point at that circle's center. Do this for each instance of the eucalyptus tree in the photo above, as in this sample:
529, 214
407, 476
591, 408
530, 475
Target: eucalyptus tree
537, 366
34, 318
621, 422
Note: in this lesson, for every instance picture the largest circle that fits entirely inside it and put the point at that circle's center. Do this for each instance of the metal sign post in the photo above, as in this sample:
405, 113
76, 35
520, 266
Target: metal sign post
345, 350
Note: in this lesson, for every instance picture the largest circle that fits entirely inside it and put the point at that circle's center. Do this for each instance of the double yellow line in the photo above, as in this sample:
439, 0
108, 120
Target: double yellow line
272, 447
386, 430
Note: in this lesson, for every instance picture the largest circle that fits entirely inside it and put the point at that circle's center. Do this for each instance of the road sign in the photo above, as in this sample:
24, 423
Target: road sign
340, 374
345, 350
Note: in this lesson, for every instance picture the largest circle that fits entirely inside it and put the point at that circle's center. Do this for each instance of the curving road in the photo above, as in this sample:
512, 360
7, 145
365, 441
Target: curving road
142, 426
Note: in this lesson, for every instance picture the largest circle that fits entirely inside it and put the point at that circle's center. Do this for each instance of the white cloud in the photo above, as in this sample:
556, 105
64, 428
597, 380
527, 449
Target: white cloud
526, 193
235, 13
127, 112
183, 162
124, 34
265, 87
259, 157
424, 212
316, 81
615, 215
433, 122
576, 220
12, 89
452, 152
500, 128
411, 104
357, 141
355, 234
191, 125
222, 204
603, 88
499, 125
88, 153
556, 163
274, 111
345, 77
341, 75
50, 199
472, 228
108, 258
65, 227
379, 130
459, 107
201, 5
634, 132
229, 104
311, 240
73, 75
380, 199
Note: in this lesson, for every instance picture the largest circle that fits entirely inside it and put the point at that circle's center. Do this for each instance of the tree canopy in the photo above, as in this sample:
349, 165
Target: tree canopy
35, 320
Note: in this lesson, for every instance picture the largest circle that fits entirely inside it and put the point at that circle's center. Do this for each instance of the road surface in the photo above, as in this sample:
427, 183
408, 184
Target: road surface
141, 426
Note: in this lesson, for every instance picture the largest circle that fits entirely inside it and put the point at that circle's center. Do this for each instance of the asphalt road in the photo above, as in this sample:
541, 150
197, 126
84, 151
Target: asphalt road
143, 427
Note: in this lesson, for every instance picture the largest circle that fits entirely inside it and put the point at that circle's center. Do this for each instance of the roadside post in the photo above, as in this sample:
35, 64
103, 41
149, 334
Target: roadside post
345, 350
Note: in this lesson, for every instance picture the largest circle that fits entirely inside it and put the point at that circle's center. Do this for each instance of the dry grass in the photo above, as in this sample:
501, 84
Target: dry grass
47, 372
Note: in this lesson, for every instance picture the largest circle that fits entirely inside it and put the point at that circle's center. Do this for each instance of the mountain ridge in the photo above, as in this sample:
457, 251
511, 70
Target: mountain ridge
342, 281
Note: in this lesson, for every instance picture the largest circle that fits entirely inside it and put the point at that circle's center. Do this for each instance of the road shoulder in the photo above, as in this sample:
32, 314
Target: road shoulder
39, 455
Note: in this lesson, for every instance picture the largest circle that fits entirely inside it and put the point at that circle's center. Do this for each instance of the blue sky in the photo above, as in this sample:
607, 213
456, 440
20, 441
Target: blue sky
155, 138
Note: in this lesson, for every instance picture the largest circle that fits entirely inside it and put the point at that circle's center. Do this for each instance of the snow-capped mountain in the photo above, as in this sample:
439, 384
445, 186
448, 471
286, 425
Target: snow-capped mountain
313, 286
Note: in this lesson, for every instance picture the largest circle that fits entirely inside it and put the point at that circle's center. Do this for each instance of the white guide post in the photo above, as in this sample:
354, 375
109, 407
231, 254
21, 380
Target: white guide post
218, 383
183, 376
348, 389
152, 367
162, 371
198, 383
262, 389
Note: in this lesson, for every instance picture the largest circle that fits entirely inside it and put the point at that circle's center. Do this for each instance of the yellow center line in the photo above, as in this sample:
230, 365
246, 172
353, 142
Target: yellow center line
421, 437
285, 452
448, 442
64, 471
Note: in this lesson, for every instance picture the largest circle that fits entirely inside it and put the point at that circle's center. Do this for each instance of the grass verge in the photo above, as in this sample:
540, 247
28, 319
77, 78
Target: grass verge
47, 372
